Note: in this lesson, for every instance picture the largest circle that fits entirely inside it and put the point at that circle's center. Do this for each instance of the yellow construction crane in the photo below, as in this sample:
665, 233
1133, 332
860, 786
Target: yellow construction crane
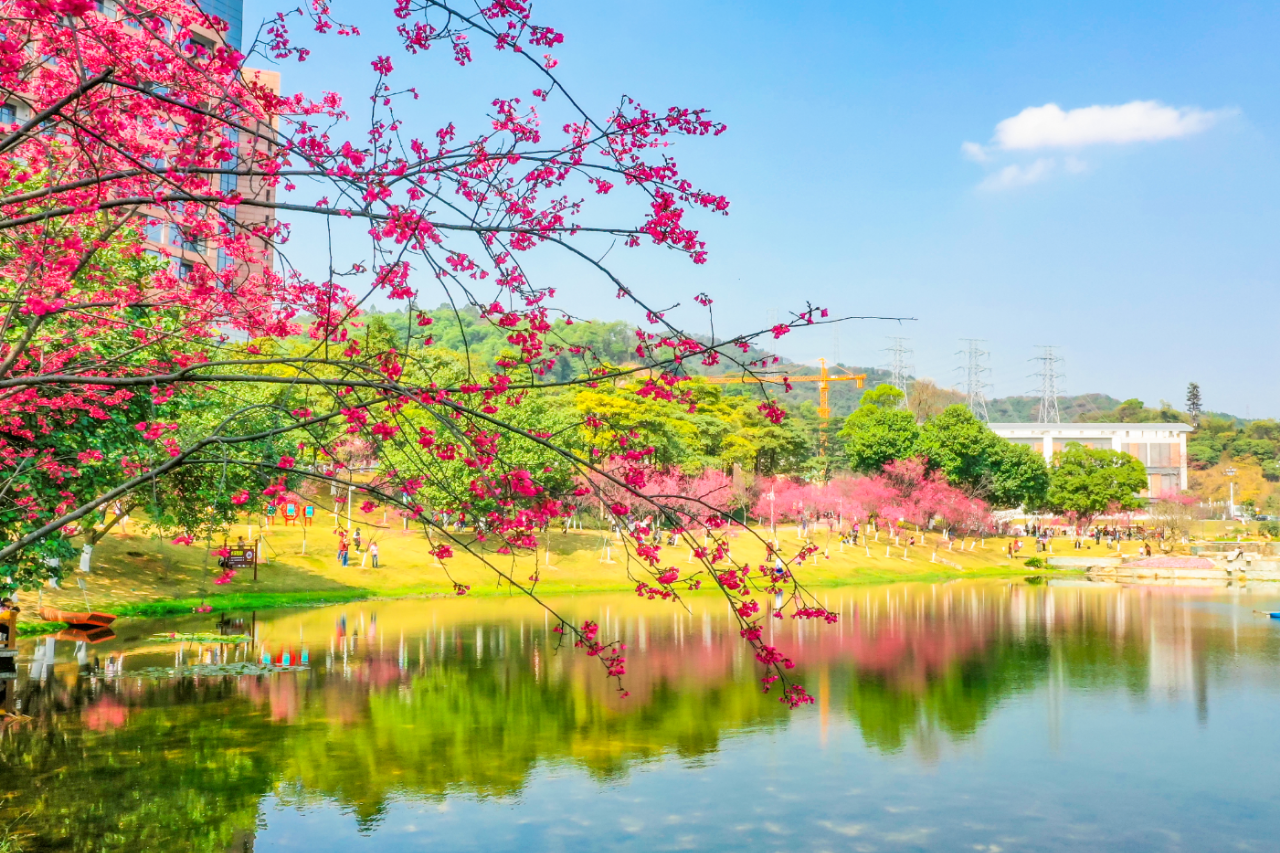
824, 380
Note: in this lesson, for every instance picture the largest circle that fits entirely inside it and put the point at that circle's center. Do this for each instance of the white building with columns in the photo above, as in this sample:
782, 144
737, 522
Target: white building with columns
1160, 447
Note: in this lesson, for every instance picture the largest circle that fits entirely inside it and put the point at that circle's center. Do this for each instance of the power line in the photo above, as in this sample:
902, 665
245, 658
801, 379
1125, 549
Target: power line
1049, 376
974, 385
899, 367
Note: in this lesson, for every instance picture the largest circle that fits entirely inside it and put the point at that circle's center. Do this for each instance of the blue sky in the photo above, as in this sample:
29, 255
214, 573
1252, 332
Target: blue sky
1141, 241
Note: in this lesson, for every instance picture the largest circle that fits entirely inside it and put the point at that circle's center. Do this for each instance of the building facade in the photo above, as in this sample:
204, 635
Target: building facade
164, 238
1162, 448
231, 11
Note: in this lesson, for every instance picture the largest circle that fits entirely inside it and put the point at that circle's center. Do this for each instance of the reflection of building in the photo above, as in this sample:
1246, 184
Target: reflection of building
1162, 448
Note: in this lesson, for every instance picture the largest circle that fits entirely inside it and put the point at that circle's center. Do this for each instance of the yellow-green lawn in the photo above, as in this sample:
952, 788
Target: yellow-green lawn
130, 568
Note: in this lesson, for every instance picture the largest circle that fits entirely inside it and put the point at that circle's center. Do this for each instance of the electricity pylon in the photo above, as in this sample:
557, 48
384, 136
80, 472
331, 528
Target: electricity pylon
1049, 377
898, 365
974, 385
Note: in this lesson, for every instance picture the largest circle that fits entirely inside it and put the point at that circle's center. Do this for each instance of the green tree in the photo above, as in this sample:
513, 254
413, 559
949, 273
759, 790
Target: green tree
680, 437
1086, 482
1193, 404
973, 457
884, 396
961, 446
873, 436
763, 447
1019, 477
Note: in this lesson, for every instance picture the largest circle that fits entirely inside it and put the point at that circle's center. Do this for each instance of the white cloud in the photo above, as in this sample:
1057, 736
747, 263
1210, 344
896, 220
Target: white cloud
1138, 121
1018, 176
974, 152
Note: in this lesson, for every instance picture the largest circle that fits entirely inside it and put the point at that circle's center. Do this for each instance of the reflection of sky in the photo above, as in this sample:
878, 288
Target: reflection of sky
1123, 777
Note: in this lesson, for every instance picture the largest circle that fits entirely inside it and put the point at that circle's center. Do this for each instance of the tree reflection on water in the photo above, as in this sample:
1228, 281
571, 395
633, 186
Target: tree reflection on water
426, 700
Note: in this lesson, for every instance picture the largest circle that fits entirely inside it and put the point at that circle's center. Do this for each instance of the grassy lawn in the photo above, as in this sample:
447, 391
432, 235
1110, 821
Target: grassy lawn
135, 574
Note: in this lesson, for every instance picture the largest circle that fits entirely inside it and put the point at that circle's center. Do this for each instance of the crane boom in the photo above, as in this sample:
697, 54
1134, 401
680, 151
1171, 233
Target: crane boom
823, 379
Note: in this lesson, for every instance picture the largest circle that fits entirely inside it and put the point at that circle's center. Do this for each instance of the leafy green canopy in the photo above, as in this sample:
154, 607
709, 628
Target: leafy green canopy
955, 442
965, 449
1086, 482
874, 436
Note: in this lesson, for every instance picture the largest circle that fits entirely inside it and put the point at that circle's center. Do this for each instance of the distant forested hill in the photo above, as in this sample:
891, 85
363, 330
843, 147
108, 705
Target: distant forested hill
613, 342
1026, 409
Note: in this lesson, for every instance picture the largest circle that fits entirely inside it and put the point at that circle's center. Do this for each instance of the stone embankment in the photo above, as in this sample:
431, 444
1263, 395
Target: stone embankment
1222, 562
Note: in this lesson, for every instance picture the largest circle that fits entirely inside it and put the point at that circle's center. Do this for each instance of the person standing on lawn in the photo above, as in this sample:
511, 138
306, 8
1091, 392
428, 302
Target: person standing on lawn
373, 553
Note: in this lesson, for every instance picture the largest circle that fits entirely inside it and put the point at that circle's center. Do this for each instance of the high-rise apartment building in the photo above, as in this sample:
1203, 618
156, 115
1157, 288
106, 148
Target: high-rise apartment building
231, 11
164, 237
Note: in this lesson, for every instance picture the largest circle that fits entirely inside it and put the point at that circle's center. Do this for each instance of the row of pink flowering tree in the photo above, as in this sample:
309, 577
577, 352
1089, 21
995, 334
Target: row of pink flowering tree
904, 491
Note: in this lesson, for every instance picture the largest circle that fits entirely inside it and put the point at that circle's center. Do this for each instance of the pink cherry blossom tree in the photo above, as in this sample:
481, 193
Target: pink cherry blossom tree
141, 122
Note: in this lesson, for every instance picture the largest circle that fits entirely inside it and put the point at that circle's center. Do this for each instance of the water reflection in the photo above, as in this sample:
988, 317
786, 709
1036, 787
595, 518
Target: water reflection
423, 701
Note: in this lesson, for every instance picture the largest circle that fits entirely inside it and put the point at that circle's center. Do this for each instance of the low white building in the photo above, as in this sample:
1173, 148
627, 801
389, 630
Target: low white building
1160, 447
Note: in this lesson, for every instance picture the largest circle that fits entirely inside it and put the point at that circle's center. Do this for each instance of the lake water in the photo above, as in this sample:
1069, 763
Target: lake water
987, 716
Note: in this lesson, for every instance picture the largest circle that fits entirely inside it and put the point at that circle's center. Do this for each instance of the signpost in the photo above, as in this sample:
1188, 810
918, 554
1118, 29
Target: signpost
242, 558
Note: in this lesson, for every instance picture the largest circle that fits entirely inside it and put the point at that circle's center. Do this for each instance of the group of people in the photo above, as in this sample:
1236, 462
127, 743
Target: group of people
1113, 536
344, 548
